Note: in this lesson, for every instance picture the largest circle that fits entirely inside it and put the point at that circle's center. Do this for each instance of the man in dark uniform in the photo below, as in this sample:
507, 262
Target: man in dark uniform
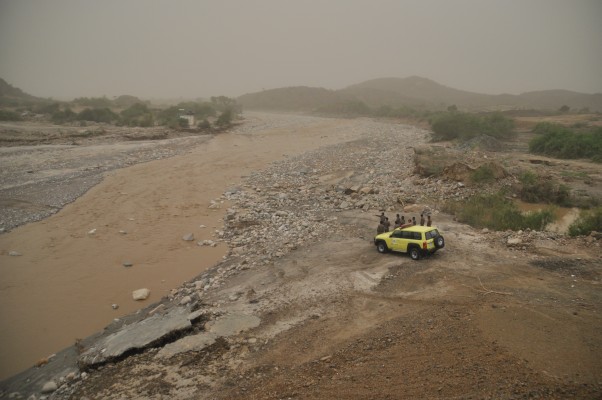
387, 224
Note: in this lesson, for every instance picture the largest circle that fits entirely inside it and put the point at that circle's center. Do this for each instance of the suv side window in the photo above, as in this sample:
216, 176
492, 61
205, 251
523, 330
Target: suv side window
411, 235
397, 234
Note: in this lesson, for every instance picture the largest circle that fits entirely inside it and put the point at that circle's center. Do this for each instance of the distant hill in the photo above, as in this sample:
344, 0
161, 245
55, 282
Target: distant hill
415, 91
11, 96
300, 98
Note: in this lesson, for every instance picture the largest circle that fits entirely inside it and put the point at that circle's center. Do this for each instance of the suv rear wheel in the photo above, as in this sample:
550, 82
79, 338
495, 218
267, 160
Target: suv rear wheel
439, 242
415, 253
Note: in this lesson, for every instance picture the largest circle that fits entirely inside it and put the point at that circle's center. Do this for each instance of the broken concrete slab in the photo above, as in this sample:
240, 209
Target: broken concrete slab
232, 324
189, 343
136, 336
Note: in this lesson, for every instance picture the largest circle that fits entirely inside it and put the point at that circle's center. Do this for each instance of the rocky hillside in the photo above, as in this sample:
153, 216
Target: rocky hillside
11, 96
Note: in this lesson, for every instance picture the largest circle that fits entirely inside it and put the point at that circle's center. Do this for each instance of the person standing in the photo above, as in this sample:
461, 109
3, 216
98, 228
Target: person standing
380, 229
421, 219
429, 222
382, 217
387, 224
413, 220
397, 221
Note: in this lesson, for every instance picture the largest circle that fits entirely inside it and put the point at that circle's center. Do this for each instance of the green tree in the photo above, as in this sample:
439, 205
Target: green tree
225, 118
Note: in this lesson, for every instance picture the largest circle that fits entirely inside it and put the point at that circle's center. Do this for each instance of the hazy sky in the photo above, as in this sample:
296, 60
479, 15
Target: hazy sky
202, 48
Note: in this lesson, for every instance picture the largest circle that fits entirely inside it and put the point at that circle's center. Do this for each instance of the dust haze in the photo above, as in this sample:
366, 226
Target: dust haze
159, 49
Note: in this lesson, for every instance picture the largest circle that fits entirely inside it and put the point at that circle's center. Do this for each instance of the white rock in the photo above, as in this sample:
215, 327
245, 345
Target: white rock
71, 376
92, 231
114, 306
514, 241
14, 253
140, 294
49, 387
188, 237
185, 300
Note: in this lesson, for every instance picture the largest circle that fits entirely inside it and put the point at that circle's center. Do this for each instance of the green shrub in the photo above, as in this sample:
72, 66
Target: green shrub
47, 108
587, 222
497, 212
6, 115
455, 125
204, 124
464, 126
137, 114
97, 115
535, 189
483, 174
94, 102
61, 117
561, 142
225, 118
498, 126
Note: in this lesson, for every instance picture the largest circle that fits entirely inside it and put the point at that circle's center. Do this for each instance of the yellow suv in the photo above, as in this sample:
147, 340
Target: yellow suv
416, 240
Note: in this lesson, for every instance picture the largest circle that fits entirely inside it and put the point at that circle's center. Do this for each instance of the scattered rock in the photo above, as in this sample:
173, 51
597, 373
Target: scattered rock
49, 387
514, 241
127, 264
14, 253
114, 306
185, 300
92, 231
140, 294
188, 237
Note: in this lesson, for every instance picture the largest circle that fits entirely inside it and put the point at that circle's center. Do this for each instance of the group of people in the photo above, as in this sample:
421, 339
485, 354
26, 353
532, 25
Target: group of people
400, 222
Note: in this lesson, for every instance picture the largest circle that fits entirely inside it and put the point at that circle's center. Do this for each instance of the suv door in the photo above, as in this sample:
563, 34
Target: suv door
397, 240
410, 238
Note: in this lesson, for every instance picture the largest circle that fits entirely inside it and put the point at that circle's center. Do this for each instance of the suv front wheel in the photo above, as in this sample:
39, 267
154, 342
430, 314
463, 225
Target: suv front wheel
382, 247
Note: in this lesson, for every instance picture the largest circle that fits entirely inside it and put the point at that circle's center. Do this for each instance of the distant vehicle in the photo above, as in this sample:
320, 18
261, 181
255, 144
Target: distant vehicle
416, 240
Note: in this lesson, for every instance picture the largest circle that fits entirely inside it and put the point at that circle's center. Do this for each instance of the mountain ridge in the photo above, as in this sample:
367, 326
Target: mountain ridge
418, 91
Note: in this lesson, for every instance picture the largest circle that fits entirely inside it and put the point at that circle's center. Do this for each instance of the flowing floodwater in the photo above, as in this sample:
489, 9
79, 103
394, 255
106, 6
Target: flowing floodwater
565, 216
71, 271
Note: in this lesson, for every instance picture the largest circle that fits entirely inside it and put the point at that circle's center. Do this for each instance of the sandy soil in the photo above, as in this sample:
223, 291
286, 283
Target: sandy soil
63, 285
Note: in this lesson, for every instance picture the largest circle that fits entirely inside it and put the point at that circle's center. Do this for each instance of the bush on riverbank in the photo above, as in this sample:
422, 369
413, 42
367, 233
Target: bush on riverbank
562, 142
588, 221
464, 126
6, 115
535, 189
497, 212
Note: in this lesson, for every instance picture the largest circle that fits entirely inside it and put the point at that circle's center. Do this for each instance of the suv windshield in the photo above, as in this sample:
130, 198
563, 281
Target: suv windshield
431, 234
